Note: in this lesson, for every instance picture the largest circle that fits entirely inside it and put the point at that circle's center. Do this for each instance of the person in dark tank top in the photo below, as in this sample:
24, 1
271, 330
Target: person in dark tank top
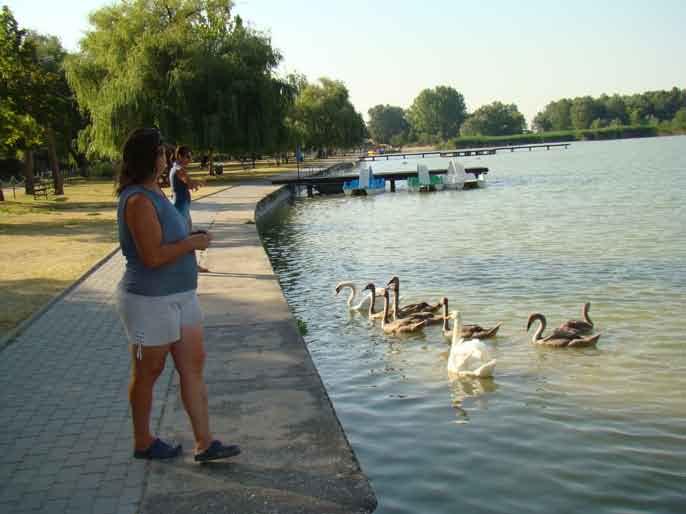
181, 184
157, 299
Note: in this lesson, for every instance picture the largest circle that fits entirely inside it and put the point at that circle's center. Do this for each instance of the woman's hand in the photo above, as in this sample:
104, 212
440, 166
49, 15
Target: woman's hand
200, 240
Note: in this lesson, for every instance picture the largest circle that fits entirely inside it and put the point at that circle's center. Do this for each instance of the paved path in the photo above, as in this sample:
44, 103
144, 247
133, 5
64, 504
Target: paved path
65, 438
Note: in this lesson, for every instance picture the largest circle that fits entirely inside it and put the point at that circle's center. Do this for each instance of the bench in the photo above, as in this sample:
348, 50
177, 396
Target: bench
41, 188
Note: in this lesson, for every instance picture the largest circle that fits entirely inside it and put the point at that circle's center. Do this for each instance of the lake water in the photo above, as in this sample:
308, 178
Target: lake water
595, 430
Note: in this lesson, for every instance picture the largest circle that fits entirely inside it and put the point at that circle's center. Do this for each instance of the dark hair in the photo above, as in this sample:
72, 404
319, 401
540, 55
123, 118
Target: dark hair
182, 151
139, 157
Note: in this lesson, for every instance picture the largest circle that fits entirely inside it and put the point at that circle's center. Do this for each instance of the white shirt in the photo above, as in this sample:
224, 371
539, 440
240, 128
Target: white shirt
172, 172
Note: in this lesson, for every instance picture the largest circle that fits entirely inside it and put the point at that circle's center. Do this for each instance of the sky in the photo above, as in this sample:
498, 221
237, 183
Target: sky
524, 52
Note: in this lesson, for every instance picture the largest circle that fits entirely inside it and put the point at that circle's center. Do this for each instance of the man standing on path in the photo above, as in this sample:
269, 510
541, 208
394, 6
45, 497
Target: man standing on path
181, 185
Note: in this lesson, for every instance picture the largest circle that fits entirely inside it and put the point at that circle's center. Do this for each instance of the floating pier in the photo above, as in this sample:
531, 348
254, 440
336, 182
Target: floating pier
330, 181
334, 184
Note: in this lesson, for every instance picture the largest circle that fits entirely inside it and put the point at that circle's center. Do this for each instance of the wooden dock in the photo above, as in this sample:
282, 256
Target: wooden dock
327, 183
468, 152
334, 184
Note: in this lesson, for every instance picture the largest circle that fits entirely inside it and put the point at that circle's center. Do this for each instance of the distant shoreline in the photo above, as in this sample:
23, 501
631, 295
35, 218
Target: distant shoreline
601, 134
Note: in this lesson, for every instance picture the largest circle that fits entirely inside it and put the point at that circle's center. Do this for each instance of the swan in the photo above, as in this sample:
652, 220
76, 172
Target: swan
363, 303
584, 326
560, 338
468, 358
475, 331
406, 310
430, 317
401, 326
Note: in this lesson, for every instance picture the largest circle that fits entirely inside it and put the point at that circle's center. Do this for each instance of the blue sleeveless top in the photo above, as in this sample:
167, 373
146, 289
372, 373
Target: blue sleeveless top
175, 277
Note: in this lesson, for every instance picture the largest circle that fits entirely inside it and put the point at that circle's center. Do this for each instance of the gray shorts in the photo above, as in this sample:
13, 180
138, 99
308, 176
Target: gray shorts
157, 320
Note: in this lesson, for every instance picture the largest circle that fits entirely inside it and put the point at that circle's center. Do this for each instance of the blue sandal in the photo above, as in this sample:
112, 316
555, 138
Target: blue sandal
158, 450
217, 450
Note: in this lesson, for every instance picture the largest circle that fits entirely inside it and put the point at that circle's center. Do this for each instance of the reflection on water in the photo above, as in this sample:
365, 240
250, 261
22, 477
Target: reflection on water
470, 391
598, 429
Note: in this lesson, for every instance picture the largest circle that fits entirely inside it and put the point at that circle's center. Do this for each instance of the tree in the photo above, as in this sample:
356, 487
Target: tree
679, 120
189, 67
59, 114
387, 122
615, 109
37, 104
555, 116
438, 112
23, 93
654, 107
582, 112
324, 117
495, 119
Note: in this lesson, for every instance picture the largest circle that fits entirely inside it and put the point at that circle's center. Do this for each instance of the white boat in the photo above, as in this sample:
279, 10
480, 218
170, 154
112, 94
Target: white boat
365, 185
424, 182
457, 178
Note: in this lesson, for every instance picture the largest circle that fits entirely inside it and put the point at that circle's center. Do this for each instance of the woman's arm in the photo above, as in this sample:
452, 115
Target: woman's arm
141, 218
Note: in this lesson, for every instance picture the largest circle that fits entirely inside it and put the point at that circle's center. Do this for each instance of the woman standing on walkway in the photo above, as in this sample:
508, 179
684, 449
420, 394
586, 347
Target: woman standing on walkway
181, 185
157, 298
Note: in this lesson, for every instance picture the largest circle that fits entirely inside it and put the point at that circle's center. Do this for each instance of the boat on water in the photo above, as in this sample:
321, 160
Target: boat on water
424, 182
365, 185
456, 177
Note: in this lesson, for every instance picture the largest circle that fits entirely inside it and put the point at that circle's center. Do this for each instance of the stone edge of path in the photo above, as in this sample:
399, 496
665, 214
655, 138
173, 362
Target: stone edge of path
15, 332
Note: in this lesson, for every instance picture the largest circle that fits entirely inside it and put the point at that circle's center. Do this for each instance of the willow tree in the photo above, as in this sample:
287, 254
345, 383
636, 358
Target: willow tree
187, 66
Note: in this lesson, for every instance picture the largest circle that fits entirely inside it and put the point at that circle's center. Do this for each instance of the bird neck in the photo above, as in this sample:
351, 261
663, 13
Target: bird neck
372, 301
457, 330
384, 318
353, 293
538, 334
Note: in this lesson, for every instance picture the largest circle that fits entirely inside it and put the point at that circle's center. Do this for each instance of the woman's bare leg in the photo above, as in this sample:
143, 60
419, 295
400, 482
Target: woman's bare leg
189, 358
144, 373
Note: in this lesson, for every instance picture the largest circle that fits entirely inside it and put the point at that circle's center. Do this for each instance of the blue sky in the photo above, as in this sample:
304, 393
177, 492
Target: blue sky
528, 53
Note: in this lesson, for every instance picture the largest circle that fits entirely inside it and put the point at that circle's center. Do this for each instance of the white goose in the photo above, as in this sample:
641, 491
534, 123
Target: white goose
364, 303
468, 358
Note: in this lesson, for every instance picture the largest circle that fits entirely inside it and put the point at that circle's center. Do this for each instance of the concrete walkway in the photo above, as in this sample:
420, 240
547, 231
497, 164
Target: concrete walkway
65, 439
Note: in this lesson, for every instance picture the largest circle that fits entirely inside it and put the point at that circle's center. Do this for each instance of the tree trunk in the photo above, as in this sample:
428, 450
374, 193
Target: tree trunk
2, 195
28, 172
81, 162
211, 161
57, 180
